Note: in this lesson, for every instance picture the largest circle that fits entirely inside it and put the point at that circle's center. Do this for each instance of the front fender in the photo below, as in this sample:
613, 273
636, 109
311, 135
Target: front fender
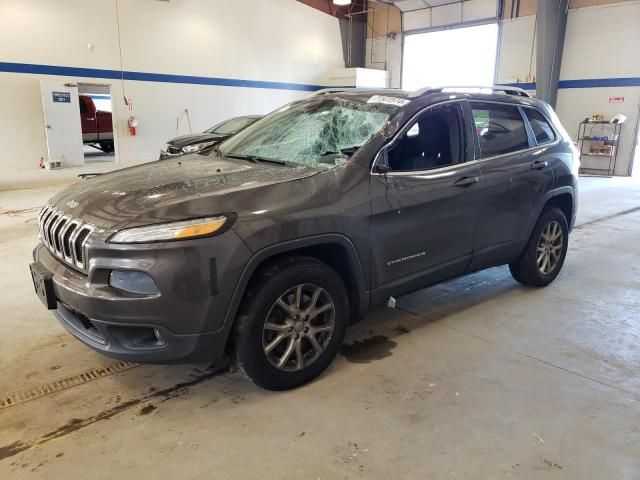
357, 278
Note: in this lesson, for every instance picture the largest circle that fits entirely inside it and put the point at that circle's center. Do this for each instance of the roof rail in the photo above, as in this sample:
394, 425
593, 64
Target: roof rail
519, 92
325, 91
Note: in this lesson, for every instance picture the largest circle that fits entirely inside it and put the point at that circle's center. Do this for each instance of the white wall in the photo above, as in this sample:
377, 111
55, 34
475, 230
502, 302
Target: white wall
601, 42
265, 40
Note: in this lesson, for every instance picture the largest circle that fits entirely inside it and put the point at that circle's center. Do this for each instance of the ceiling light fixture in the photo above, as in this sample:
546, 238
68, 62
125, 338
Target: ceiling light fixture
342, 2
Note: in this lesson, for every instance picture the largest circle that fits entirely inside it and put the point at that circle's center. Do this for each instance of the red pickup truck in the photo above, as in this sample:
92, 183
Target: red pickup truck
97, 125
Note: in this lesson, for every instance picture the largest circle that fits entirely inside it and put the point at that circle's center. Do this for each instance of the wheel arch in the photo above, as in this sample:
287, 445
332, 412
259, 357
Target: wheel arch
335, 250
565, 202
564, 198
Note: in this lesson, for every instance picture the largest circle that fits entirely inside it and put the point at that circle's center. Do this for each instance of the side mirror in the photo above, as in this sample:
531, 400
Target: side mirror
382, 162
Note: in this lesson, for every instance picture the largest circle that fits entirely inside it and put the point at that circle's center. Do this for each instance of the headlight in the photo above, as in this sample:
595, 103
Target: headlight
197, 147
200, 227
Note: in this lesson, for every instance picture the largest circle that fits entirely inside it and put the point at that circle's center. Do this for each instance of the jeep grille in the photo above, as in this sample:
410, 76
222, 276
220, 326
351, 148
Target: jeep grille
64, 236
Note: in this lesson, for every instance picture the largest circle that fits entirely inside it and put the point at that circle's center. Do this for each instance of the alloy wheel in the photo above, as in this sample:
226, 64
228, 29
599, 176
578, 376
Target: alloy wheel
549, 248
298, 327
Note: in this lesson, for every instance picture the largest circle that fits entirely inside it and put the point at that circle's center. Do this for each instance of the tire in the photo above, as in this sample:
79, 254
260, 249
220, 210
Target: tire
106, 147
527, 270
265, 331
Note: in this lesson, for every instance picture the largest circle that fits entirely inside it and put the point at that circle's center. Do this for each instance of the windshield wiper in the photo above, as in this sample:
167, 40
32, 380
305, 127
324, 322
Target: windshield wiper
255, 159
349, 151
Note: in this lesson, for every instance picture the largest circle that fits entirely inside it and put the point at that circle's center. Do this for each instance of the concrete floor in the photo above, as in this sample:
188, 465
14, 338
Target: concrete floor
478, 378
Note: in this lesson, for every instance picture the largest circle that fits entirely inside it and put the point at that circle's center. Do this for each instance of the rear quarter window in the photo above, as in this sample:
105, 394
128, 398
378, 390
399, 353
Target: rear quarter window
542, 130
500, 129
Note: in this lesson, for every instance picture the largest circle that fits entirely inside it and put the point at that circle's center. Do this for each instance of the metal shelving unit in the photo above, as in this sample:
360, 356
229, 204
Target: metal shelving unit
607, 136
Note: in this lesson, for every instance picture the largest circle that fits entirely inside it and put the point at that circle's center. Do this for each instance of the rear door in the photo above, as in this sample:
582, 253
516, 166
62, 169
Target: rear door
516, 175
423, 202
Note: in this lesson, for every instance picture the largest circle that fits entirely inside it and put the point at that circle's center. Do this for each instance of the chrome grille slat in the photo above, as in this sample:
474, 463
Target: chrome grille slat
47, 237
67, 247
57, 229
64, 236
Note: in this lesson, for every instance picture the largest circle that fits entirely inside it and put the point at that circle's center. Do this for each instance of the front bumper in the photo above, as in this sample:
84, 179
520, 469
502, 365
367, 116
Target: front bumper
145, 343
184, 322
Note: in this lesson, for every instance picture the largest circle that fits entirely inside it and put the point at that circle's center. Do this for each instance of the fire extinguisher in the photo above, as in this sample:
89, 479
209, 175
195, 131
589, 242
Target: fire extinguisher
133, 124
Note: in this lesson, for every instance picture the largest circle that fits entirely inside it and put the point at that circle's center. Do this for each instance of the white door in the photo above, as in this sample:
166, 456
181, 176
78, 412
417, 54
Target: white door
62, 122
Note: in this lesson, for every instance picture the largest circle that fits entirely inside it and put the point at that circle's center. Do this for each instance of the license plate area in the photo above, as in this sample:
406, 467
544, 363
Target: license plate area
43, 285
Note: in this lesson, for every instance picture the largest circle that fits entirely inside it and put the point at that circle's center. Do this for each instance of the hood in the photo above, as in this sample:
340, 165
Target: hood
172, 190
195, 138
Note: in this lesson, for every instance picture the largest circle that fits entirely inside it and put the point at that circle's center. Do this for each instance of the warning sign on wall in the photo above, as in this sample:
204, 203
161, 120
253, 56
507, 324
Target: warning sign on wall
616, 99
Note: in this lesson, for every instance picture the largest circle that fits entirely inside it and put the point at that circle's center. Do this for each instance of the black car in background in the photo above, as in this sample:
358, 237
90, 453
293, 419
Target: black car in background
205, 141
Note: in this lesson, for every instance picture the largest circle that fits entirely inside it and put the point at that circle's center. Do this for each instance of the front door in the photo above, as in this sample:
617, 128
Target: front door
62, 122
423, 197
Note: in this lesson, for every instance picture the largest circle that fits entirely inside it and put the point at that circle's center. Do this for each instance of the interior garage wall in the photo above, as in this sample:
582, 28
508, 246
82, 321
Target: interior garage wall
601, 49
194, 46
600, 58
384, 40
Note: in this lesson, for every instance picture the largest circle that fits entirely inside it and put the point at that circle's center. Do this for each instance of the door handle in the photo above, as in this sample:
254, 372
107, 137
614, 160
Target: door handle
539, 164
466, 181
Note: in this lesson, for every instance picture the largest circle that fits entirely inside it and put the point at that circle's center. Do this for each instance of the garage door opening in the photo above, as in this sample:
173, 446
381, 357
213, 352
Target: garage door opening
458, 57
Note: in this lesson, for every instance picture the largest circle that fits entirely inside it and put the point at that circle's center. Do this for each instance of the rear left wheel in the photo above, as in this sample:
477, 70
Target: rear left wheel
544, 255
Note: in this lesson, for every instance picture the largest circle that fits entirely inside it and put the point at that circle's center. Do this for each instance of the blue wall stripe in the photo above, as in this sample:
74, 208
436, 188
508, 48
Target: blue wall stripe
100, 97
150, 77
524, 86
601, 82
588, 83
232, 82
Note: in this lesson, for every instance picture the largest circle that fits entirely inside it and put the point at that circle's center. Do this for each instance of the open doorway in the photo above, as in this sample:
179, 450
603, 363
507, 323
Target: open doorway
96, 119
459, 57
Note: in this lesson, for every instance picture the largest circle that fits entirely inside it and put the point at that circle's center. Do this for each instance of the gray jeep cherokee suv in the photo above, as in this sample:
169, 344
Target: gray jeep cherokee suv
264, 251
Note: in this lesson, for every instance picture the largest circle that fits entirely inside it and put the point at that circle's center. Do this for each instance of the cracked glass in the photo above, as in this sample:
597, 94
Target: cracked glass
320, 132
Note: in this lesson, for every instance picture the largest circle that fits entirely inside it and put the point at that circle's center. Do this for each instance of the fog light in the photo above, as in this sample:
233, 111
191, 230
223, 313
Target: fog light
133, 281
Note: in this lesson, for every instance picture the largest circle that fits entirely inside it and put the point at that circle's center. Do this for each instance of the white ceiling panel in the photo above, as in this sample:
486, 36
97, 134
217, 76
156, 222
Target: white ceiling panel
409, 5
446, 14
417, 19
437, 3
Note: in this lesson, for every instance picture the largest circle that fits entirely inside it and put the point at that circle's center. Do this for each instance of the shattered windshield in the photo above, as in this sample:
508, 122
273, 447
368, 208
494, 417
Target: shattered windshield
320, 132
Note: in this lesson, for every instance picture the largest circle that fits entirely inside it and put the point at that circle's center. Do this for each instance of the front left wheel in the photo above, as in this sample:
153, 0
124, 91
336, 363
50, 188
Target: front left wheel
292, 323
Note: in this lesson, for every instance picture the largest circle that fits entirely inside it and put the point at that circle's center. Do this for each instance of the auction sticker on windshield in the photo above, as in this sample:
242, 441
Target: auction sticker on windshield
399, 102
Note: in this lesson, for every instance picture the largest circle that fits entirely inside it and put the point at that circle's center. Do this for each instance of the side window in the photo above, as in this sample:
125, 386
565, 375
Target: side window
540, 126
83, 106
435, 140
500, 129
